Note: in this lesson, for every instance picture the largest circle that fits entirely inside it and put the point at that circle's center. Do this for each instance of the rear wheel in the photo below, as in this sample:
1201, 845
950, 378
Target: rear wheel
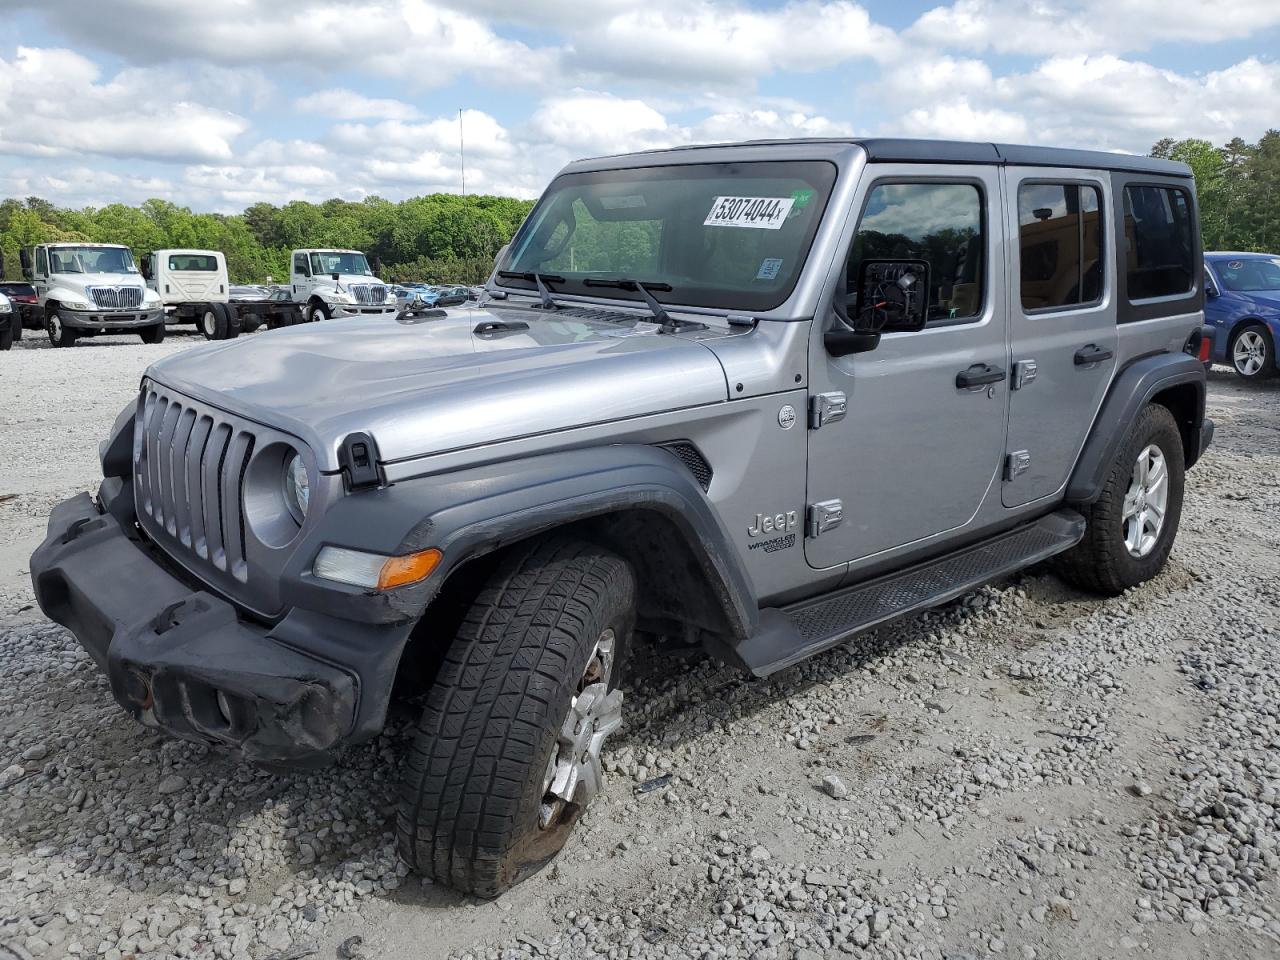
212, 323
508, 750
1132, 524
1252, 352
59, 335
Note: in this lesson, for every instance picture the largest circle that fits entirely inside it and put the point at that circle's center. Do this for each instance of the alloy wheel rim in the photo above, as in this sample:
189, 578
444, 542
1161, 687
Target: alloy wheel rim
1250, 352
575, 773
1146, 502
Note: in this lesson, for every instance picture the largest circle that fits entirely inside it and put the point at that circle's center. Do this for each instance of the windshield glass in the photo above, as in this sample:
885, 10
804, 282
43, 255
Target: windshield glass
204, 262
1249, 276
91, 260
725, 235
329, 261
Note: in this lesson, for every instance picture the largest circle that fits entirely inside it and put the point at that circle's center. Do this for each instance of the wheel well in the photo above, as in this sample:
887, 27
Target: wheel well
1248, 322
1186, 403
677, 598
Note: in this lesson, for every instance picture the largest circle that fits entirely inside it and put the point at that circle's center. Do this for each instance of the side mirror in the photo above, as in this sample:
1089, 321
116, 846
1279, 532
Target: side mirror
1210, 290
892, 295
25, 259
144, 268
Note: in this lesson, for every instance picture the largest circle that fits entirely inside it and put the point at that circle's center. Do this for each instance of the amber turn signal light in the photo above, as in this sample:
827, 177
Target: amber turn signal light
399, 571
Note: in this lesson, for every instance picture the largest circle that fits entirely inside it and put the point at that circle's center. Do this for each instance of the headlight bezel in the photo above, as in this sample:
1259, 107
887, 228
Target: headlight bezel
297, 476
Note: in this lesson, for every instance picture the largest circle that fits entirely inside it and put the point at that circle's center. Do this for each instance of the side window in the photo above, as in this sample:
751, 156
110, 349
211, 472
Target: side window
940, 223
1160, 242
1060, 245
300, 263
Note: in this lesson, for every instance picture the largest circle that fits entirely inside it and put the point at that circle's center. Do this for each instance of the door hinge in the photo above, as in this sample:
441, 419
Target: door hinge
1024, 371
823, 516
1017, 462
827, 408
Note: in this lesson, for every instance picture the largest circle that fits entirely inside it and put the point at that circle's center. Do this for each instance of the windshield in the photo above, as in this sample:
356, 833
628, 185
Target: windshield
327, 262
732, 236
1249, 276
204, 262
91, 260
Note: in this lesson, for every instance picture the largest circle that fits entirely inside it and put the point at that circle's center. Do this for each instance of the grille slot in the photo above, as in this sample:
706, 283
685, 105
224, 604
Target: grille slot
189, 477
691, 457
369, 293
116, 298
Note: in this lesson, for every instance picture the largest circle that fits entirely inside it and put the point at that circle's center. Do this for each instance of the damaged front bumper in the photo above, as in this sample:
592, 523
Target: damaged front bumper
185, 661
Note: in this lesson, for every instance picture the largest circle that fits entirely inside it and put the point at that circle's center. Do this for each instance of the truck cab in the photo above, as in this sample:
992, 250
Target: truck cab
187, 281
338, 283
85, 289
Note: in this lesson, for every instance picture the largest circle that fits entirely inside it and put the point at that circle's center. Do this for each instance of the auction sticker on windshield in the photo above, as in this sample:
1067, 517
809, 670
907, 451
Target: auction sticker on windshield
760, 213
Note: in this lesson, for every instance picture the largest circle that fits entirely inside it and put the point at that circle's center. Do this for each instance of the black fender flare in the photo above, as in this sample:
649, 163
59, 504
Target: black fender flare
472, 512
1136, 386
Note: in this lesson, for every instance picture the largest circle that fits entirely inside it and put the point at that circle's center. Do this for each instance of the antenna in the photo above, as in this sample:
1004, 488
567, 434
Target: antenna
462, 153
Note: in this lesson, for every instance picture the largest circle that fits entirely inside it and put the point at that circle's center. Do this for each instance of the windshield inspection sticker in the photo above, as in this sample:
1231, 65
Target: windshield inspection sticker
769, 269
759, 213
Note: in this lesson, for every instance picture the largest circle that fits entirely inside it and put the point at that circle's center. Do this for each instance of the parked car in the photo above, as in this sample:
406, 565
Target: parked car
252, 291
23, 297
855, 379
1242, 306
10, 323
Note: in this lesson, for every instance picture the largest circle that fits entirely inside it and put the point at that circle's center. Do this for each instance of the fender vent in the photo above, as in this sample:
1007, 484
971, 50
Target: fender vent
691, 457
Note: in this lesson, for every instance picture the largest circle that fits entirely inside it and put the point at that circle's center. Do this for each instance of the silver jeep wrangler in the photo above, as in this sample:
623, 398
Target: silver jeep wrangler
755, 398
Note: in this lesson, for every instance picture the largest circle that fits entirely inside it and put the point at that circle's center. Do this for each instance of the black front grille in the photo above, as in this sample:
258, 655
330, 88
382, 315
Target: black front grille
691, 457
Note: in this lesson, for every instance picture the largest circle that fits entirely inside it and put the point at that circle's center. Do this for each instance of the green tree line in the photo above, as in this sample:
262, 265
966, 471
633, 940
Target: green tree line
1239, 189
441, 238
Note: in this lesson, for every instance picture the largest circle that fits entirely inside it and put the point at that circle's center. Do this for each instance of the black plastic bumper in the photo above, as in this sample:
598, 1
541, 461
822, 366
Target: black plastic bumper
182, 660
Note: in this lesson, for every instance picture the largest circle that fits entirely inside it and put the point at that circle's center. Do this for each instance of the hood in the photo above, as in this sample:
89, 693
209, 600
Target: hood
80, 281
422, 386
349, 279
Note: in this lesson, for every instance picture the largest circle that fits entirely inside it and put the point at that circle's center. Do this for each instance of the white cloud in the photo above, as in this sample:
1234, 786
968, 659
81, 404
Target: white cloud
54, 103
340, 104
599, 123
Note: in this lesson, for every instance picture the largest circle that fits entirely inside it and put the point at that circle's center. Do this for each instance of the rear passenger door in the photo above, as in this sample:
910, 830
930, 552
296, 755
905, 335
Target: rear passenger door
1062, 322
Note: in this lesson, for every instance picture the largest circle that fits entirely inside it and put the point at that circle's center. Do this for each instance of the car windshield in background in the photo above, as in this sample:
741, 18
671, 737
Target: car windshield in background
327, 263
730, 236
1249, 276
91, 260
194, 261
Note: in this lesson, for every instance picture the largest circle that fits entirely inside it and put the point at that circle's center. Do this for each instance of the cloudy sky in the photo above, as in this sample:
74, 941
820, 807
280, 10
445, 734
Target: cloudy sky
221, 104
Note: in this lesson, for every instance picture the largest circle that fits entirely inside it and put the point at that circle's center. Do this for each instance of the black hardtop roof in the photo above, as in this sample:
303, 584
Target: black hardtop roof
901, 150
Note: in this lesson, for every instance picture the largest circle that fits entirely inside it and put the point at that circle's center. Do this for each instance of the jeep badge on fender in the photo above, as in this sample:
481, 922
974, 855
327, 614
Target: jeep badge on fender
555, 477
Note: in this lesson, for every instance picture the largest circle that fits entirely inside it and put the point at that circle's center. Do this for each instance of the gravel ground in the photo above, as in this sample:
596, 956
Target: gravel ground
1028, 772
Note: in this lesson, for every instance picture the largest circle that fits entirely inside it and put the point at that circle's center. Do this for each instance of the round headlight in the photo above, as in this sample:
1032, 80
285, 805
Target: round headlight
297, 488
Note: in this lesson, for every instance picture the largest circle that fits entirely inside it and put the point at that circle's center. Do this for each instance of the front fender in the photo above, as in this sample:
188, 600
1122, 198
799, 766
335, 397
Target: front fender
469, 513
1136, 386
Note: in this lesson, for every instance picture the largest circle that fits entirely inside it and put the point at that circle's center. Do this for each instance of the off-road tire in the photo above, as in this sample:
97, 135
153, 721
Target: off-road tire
65, 336
152, 334
471, 790
1267, 343
1101, 562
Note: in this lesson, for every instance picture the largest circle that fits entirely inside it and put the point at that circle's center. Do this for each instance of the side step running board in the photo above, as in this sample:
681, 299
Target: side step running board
790, 634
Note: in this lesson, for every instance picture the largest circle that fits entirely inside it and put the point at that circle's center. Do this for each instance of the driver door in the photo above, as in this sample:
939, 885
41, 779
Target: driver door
918, 452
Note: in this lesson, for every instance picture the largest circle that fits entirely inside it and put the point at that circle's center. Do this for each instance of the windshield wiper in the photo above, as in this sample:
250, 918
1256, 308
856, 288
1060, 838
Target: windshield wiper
641, 287
541, 279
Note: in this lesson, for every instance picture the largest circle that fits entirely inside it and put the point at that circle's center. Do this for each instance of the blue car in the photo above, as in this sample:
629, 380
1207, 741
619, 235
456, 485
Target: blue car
1242, 304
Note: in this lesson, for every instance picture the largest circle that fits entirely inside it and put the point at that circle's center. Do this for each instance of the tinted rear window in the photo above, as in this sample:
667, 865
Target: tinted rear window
193, 261
1159, 240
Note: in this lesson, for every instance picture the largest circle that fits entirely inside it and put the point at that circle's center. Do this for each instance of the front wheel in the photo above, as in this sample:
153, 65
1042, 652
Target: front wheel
1252, 353
1132, 524
318, 311
153, 334
507, 753
59, 335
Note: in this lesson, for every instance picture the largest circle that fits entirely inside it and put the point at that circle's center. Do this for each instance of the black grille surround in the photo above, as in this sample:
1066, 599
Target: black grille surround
692, 458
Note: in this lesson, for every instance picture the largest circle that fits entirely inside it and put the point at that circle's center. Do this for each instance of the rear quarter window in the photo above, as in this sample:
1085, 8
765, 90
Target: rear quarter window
1159, 242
